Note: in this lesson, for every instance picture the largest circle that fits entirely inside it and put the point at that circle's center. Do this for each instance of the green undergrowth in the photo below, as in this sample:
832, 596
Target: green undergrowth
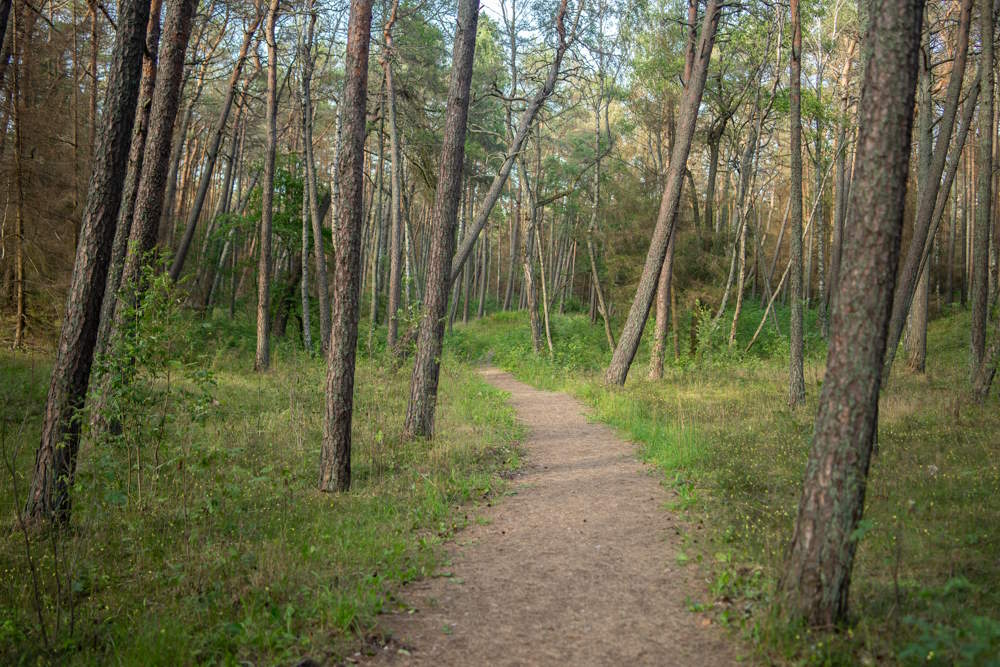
926, 586
203, 538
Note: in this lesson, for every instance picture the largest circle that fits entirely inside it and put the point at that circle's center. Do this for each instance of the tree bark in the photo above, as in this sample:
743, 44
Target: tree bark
514, 150
984, 196
796, 378
818, 571
397, 233
629, 341
262, 361
664, 299
916, 252
427, 365
335, 457
55, 460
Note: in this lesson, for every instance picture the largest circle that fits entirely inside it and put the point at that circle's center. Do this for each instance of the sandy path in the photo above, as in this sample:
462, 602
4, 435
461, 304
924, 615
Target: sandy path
578, 567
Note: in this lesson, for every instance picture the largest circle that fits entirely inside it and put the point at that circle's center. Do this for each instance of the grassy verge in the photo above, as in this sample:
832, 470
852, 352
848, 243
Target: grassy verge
222, 550
927, 577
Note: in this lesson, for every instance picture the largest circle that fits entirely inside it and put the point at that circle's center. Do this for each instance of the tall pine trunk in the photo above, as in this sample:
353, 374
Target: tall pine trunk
55, 459
818, 571
262, 361
335, 456
427, 365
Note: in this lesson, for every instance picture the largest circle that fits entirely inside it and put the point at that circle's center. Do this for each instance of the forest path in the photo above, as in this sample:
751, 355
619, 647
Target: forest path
577, 567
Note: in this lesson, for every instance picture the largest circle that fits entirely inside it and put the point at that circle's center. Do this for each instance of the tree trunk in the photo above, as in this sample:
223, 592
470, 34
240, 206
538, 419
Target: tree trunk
55, 460
397, 233
514, 149
427, 365
262, 361
796, 377
818, 572
984, 196
132, 177
629, 342
335, 458
664, 298
917, 251
213, 152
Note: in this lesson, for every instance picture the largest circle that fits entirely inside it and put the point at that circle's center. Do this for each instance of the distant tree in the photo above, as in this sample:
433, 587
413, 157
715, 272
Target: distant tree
796, 379
817, 576
263, 359
666, 219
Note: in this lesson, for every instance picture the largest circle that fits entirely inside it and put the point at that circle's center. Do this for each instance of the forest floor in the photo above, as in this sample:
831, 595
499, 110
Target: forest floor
579, 565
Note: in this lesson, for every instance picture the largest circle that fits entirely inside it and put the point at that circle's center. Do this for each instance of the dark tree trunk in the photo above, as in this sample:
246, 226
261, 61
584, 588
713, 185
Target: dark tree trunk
917, 251
796, 379
262, 361
818, 572
132, 177
55, 460
335, 458
628, 343
984, 197
514, 150
427, 365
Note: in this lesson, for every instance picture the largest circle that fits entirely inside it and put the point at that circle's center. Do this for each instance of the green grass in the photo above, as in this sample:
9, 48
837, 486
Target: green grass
223, 551
926, 585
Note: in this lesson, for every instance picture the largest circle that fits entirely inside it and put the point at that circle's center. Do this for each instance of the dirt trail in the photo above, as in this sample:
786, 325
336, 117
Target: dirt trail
578, 567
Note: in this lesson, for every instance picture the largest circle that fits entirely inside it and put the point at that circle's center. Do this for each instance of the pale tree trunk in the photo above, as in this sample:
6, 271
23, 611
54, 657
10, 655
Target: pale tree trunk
984, 197
397, 234
916, 324
16, 100
304, 281
817, 574
628, 344
664, 299
796, 377
335, 457
427, 365
262, 361
55, 460
319, 251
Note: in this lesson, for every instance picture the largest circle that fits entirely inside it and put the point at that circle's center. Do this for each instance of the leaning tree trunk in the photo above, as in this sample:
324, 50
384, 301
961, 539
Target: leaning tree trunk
262, 361
213, 152
129, 194
818, 572
514, 150
335, 457
427, 365
55, 460
628, 343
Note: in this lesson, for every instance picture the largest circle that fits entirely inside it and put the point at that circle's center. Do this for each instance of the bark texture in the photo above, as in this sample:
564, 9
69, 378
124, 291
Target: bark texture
335, 456
796, 379
427, 364
55, 460
818, 571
